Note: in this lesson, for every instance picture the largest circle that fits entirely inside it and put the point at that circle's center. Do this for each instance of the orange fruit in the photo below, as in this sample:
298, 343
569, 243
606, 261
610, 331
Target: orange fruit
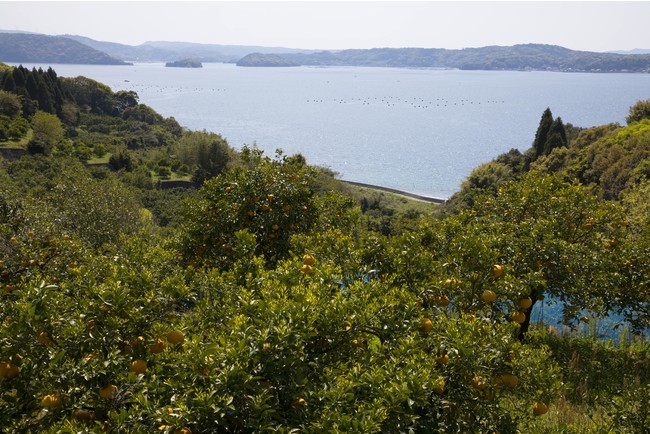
44, 339
441, 300
443, 359
509, 380
158, 346
489, 296
497, 271
525, 303
8, 370
83, 414
175, 337
478, 383
539, 408
309, 260
518, 317
138, 366
306, 269
50, 401
426, 325
439, 387
108, 392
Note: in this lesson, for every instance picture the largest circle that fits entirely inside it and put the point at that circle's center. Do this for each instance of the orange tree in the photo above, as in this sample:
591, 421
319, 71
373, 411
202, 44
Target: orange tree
287, 351
339, 348
561, 241
538, 237
270, 199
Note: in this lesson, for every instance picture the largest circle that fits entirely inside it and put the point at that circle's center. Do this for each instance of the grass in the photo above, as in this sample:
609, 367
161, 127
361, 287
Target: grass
607, 385
174, 177
100, 160
400, 204
18, 144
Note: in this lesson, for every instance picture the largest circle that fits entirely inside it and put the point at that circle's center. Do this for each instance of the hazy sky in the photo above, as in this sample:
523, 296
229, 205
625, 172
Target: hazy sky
581, 25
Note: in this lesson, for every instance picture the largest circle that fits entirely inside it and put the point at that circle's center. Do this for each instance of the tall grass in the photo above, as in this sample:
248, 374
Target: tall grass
608, 381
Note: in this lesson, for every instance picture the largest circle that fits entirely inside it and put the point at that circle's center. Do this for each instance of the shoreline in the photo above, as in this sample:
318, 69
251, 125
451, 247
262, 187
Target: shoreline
414, 196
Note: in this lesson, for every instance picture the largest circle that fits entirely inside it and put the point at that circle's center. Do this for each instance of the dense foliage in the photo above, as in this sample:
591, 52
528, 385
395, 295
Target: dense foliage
264, 296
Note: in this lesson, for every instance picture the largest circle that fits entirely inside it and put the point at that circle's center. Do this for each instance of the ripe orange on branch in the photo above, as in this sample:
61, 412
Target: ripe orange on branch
44, 339
426, 325
8, 370
309, 260
108, 392
158, 346
138, 366
489, 296
539, 408
50, 401
509, 380
441, 300
442, 359
525, 303
518, 317
175, 337
478, 383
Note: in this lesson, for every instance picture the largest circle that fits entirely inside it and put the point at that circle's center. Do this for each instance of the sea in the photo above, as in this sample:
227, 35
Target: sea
417, 130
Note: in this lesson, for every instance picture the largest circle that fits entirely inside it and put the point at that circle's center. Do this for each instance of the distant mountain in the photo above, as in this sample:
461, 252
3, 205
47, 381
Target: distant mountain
518, 57
34, 48
634, 51
26, 47
230, 52
260, 59
162, 51
128, 52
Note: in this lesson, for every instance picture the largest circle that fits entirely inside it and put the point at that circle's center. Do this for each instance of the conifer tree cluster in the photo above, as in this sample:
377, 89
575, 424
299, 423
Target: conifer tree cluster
550, 134
41, 90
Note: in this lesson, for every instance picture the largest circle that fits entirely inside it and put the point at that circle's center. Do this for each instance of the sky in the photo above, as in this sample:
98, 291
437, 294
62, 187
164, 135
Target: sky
579, 25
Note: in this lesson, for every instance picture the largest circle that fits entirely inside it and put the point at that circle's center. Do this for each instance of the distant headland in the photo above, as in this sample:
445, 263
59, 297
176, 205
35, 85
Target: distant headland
185, 63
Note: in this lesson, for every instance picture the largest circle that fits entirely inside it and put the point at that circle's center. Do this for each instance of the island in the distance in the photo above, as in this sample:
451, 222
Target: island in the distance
260, 59
185, 63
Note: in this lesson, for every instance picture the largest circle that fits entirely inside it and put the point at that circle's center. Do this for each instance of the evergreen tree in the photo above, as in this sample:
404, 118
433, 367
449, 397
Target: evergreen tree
44, 94
543, 130
20, 76
556, 136
9, 83
31, 85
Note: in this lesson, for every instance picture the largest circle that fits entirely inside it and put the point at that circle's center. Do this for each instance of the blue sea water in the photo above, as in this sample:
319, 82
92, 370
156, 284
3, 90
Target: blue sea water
417, 130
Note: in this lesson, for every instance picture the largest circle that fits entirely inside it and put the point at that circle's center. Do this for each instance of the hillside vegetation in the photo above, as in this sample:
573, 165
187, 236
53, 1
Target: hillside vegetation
267, 296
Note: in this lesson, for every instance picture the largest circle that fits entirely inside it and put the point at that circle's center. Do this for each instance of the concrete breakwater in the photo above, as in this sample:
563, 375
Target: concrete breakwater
399, 192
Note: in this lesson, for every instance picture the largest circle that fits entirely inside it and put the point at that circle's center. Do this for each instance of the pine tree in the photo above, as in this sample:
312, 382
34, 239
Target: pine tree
556, 136
9, 83
543, 130
20, 76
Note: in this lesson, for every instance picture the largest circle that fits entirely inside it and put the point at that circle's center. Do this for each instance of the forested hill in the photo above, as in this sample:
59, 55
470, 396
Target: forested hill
20, 47
517, 57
